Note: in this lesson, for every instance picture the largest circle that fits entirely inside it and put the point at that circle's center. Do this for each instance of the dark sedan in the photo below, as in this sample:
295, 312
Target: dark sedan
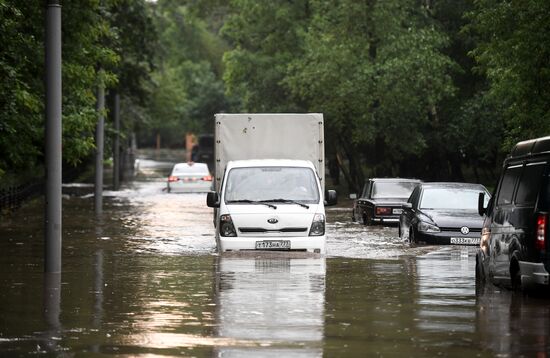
443, 213
381, 200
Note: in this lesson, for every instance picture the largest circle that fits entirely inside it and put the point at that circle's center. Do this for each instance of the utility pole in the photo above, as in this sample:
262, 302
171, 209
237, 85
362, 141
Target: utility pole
116, 144
99, 143
52, 255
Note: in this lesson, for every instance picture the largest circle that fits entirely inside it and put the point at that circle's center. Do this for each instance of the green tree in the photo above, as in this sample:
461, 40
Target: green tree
21, 88
378, 72
265, 38
513, 52
91, 41
187, 87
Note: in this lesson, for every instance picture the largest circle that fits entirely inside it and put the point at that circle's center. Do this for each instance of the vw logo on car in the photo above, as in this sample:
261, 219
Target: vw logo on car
272, 220
464, 230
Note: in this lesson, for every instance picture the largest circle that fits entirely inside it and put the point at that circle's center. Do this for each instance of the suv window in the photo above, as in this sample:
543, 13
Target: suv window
529, 184
507, 185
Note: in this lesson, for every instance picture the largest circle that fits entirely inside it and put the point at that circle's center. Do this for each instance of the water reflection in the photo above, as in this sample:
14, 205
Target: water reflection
51, 310
415, 306
144, 280
512, 324
276, 303
446, 291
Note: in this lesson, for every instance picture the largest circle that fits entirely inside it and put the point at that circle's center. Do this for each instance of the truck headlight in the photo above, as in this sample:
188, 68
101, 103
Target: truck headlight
318, 225
425, 227
226, 226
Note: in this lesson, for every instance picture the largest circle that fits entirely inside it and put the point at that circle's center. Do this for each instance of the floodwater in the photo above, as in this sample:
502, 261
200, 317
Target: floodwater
144, 280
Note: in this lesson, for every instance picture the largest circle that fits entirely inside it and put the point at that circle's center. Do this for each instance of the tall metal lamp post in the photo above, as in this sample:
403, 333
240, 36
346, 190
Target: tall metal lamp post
53, 138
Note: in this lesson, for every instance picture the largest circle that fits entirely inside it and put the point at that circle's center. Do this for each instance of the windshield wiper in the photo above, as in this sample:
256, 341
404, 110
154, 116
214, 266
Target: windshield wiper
252, 202
286, 201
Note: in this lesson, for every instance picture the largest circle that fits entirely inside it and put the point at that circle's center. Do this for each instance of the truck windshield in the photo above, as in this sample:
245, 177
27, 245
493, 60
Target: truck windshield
272, 183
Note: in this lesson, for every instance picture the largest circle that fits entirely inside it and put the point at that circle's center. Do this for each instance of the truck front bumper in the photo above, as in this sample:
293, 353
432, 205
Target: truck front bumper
314, 244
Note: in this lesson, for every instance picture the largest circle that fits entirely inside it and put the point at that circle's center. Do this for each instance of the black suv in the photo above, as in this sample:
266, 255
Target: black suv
514, 248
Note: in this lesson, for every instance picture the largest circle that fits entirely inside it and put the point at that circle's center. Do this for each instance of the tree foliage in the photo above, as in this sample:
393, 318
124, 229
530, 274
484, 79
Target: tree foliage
513, 52
432, 89
187, 87
374, 68
95, 35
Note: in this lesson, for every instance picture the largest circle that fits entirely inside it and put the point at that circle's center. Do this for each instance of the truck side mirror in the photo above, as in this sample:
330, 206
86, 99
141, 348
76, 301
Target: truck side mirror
331, 197
353, 196
213, 199
481, 209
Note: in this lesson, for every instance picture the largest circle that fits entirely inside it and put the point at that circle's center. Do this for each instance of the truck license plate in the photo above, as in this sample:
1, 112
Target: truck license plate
465, 240
272, 244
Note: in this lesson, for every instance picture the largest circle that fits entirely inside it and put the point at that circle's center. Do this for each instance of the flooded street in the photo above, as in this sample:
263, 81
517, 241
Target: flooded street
144, 279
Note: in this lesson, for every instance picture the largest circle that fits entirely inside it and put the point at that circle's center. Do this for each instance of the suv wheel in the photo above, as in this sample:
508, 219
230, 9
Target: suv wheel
480, 272
515, 275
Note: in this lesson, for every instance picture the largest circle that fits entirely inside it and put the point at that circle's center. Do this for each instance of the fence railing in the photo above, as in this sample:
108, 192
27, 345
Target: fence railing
11, 198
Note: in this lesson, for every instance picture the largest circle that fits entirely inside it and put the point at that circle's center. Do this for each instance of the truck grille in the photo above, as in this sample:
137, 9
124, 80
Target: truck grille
263, 230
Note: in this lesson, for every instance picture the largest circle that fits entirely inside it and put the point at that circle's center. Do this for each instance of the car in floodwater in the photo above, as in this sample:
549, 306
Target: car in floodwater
189, 177
381, 200
443, 213
515, 249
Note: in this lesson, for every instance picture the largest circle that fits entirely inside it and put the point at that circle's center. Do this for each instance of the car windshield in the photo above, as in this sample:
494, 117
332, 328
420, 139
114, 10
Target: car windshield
271, 183
451, 198
190, 169
384, 189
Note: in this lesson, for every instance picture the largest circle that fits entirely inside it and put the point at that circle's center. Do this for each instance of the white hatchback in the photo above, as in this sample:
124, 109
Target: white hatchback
189, 178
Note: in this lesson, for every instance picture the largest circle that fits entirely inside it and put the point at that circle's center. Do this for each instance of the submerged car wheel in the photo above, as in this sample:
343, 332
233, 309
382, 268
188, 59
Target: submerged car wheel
412, 236
366, 219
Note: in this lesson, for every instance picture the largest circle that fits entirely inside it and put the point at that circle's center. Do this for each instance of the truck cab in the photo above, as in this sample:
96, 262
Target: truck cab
271, 204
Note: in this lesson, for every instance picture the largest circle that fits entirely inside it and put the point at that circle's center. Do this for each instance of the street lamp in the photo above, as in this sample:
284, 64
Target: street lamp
52, 256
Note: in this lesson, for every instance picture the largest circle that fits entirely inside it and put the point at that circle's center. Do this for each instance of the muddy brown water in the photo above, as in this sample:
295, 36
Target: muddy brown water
144, 279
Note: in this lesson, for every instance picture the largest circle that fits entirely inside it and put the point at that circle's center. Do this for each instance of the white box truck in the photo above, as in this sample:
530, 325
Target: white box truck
269, 181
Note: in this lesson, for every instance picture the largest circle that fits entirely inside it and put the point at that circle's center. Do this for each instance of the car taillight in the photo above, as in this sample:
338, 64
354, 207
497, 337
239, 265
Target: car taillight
540, 237
383, 211
172, 178
207, 178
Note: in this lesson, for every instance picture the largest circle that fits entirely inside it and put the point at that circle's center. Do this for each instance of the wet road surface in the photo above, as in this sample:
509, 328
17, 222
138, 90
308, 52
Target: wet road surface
144, 279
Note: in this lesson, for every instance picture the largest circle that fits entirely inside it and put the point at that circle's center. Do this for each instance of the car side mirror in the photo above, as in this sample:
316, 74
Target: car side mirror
353, 196
481, 208
212, 199
407, 206
331, 197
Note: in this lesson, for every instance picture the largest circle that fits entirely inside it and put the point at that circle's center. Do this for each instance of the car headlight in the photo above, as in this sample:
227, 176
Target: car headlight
425, 227
226, 226
318, 225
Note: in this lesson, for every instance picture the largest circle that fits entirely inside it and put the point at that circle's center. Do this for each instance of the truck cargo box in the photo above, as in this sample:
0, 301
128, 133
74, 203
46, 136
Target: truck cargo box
269, 136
